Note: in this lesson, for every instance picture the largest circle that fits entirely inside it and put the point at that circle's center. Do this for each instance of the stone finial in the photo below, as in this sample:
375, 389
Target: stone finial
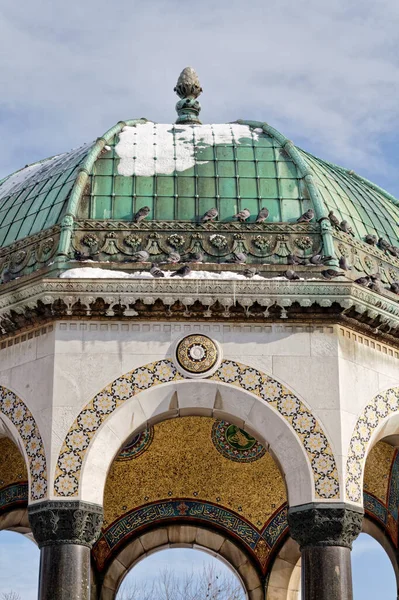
188, 88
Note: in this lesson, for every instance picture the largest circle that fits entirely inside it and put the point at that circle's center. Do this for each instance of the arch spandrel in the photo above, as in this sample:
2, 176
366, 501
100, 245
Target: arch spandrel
24, 429
298, 440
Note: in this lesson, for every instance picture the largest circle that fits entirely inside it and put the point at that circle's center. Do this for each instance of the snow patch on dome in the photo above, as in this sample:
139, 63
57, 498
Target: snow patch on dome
159, 149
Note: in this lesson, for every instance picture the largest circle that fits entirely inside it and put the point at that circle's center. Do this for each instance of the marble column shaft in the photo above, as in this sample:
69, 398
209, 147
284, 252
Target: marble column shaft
65, 533
325, 533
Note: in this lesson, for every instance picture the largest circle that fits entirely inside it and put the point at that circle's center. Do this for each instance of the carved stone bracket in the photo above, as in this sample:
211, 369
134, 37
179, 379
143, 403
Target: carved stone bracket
55, 523
325, 524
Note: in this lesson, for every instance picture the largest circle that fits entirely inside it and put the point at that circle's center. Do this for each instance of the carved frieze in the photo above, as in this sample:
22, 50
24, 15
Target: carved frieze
262, 242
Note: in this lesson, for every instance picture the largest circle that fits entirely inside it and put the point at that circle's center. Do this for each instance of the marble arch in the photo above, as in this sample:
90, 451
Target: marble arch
258, 403
20, 420
178, 536
379, 418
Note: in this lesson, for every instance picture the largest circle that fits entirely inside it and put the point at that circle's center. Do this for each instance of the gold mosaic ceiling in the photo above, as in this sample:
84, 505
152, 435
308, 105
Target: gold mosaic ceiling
12, 464
377, 471
181, 459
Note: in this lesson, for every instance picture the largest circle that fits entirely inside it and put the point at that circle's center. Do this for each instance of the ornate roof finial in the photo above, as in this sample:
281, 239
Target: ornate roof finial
188, 88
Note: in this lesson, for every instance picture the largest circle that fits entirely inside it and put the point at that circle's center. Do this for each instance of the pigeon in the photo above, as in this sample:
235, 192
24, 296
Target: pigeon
293, 259
141, 214
210, 215
394, 251
196, 257
375, 285
319, 259
182, 272
243, 215
140, 256
333, 219
346, 228
331, 274
174, 257
7, 275
156, 271
363, 281
249, 273
291, 275
306, 217
238, 257
395, 287
371, 239
343, 264
262, 215
383, 244
375, 277
79, 255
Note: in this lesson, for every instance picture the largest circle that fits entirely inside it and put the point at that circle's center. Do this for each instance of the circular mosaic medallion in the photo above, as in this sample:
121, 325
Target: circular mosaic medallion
235, 443
197, 354
139, 444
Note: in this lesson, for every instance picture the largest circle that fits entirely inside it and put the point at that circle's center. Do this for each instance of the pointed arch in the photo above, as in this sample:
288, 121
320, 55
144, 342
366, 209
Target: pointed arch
16, 414
310, 448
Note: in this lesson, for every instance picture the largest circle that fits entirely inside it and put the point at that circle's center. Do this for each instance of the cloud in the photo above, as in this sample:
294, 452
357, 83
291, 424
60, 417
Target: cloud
325, 74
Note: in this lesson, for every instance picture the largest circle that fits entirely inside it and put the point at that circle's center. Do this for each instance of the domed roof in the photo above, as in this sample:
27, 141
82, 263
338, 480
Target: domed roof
179, 171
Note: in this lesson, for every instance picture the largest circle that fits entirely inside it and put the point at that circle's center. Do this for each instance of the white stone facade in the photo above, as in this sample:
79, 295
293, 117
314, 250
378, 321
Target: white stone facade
333, 373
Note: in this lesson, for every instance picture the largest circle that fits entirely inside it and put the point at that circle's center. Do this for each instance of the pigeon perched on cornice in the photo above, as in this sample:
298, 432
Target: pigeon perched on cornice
196, 257
291, 275
394, 287
331, 274
363, 281
238, 257
243, 215
262, 215
343, 264
210, 215
371, 239
293, 259
249, 273
142, 214
346, 228
182, 272
156, 271
173, 257
319, 259
394, 251
140, 256
306, 217
333, 219
384, 244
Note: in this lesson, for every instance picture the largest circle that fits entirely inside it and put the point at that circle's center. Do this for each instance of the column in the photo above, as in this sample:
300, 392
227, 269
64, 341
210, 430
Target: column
325, 533
65, 533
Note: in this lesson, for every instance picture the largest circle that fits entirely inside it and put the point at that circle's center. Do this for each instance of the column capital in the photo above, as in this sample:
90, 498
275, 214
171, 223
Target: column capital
74, 522
328, 524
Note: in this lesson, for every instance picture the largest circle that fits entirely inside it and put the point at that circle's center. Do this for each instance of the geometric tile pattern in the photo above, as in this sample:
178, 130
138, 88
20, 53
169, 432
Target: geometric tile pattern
21, 417
299, 417
375, 412
259, 543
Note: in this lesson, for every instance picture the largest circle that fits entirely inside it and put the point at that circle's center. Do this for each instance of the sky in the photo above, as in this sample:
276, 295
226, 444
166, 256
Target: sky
373, 575
326, 74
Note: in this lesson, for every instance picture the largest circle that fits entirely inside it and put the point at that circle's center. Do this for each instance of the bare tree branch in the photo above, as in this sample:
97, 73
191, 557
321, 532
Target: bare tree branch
206, 584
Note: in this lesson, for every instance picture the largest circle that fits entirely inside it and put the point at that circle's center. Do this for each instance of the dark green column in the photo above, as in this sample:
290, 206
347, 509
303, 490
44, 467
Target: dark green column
325, 533
65, 533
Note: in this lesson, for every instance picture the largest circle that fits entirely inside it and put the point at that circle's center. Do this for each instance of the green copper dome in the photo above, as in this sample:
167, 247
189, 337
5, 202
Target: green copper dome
181, 171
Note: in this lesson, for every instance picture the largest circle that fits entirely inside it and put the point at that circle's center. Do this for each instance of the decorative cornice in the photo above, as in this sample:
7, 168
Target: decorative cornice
325, 525
48, 299
73, 522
